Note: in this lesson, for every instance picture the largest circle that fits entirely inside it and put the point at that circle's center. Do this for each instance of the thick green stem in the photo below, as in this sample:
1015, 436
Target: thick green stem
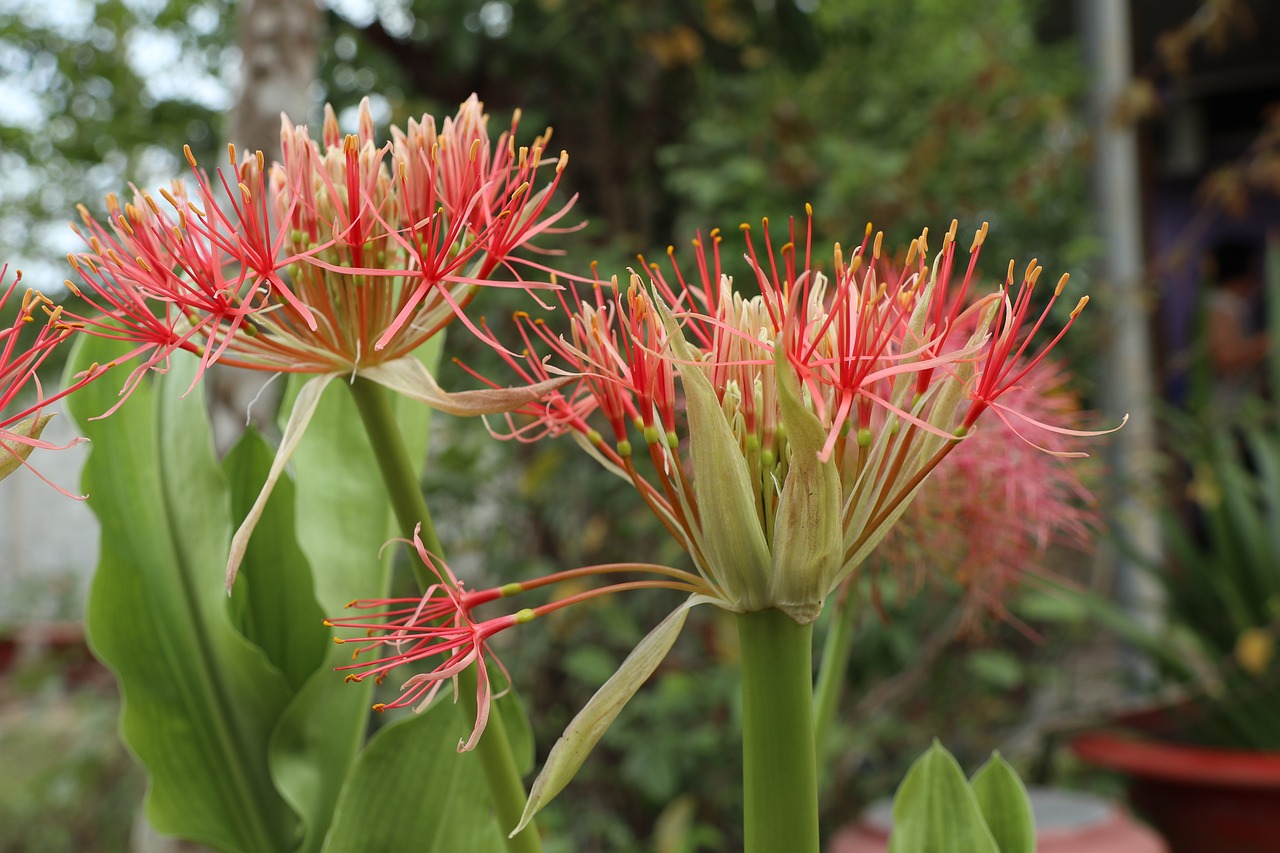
506, 788
831, 675
780, 789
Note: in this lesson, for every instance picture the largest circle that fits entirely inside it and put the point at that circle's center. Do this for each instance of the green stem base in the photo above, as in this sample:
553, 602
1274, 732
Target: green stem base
780, 789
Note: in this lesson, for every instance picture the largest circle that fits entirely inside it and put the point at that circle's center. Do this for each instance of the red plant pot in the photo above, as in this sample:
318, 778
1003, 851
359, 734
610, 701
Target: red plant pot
1201, 799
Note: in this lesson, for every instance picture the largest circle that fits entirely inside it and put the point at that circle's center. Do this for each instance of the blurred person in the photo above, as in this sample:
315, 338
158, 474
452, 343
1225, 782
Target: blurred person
1237, 349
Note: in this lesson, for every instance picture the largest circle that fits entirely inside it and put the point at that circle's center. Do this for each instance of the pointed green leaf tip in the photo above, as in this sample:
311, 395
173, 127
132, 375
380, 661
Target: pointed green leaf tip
1003, 800
731, 537
594, 719
808, 539
935, 811
13, 452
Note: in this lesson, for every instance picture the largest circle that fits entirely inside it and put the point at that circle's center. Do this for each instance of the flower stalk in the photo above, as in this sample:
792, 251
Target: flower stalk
501, 773
780, 789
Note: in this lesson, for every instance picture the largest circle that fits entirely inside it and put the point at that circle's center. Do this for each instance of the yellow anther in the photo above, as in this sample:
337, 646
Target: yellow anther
979, 236
191, 158
1008, 279
1084, 300
1062, 282
875, 247
231, 153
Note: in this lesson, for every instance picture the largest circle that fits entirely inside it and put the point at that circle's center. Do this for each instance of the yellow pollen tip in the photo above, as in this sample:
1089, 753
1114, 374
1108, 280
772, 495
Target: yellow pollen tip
564, 161
327, 623
979, 237
764, 222
924, 241
1008, 278
744, 227
911, 252
808, 209
337, 640
715, 233
867, 232
231, 152
1084, 300
875, 247
379, 707
1030, 269
191, 158
1062, 282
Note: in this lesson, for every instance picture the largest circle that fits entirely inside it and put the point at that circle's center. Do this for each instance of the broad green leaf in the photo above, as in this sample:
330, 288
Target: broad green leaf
935, 811
272, 598
342, 520
519, 730
586, 729
199, 699
412, 790
1003, 800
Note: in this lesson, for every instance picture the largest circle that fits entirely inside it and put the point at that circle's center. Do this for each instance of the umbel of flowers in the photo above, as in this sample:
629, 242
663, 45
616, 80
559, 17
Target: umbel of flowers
777, 431
342, 260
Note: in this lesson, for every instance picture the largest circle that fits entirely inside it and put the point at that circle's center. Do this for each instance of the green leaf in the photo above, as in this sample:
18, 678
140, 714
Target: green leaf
734, 543
590, 724
199, 699
343, 519
808, 542
14, 452
412, 790
1003, 800
272, 598
935, 811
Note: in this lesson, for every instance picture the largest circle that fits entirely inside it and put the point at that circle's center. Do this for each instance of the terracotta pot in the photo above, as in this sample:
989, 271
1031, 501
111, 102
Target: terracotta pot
1066, 822
1201, 799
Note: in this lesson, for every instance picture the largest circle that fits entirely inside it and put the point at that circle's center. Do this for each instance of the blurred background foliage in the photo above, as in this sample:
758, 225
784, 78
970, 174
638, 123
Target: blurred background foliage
679, 115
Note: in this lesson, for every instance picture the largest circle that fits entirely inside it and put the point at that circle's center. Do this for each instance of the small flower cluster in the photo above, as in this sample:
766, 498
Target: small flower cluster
440, 625
344, 256
23, 419
811, 413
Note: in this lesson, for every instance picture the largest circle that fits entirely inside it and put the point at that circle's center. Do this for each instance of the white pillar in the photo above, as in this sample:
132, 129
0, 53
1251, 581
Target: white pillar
1128, 373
